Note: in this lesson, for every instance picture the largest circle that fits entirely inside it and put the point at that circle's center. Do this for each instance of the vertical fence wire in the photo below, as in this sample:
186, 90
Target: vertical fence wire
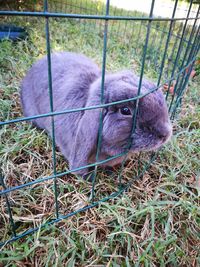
11, 220
51, 106
142, 73
186, 74
176, 38
138, 37
188, 47
134, 118
167, 44
162, 35
179, 48
99, 141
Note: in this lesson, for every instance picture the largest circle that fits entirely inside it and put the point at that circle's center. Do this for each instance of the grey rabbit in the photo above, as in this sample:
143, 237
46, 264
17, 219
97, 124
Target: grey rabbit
76, 83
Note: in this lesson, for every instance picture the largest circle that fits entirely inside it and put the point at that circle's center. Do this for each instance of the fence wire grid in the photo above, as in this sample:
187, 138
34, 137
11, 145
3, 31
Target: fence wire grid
168, 46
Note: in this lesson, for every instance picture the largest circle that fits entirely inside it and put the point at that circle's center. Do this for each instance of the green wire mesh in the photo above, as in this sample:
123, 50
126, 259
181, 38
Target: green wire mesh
169, 47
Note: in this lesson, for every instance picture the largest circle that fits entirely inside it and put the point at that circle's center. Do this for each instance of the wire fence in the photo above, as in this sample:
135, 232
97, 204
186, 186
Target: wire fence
167, 46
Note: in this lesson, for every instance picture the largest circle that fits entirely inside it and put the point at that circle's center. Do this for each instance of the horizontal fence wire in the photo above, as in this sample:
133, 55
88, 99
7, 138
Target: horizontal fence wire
183, 55
57, 113
92, 17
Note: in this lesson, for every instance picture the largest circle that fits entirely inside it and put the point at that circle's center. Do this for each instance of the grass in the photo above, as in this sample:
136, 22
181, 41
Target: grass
156, 222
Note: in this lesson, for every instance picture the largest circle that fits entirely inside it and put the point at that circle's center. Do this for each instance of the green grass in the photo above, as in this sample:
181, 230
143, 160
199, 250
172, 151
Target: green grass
155, 223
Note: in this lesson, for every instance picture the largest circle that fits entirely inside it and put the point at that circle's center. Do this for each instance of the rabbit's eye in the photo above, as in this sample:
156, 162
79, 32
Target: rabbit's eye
125, 111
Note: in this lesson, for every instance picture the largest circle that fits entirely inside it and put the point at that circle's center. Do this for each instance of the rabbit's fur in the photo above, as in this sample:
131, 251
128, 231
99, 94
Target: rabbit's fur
76, 83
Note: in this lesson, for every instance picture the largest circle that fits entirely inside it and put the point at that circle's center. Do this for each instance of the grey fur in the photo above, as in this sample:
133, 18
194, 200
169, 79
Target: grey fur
76, 82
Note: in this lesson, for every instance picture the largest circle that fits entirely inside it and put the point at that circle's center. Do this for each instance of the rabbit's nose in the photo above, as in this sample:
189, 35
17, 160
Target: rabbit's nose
164, 131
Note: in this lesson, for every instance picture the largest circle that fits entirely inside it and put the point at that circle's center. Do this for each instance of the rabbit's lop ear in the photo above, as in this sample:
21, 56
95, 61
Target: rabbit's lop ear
85, 143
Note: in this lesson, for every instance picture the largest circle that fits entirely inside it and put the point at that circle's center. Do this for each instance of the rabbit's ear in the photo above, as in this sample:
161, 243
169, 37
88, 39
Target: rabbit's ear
85, 141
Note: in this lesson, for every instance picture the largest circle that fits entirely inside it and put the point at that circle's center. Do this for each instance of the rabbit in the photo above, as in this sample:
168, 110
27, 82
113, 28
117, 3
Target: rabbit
76, 83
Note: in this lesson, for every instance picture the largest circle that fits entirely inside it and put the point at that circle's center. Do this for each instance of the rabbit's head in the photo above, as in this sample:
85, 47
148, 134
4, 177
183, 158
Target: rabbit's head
153, 127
